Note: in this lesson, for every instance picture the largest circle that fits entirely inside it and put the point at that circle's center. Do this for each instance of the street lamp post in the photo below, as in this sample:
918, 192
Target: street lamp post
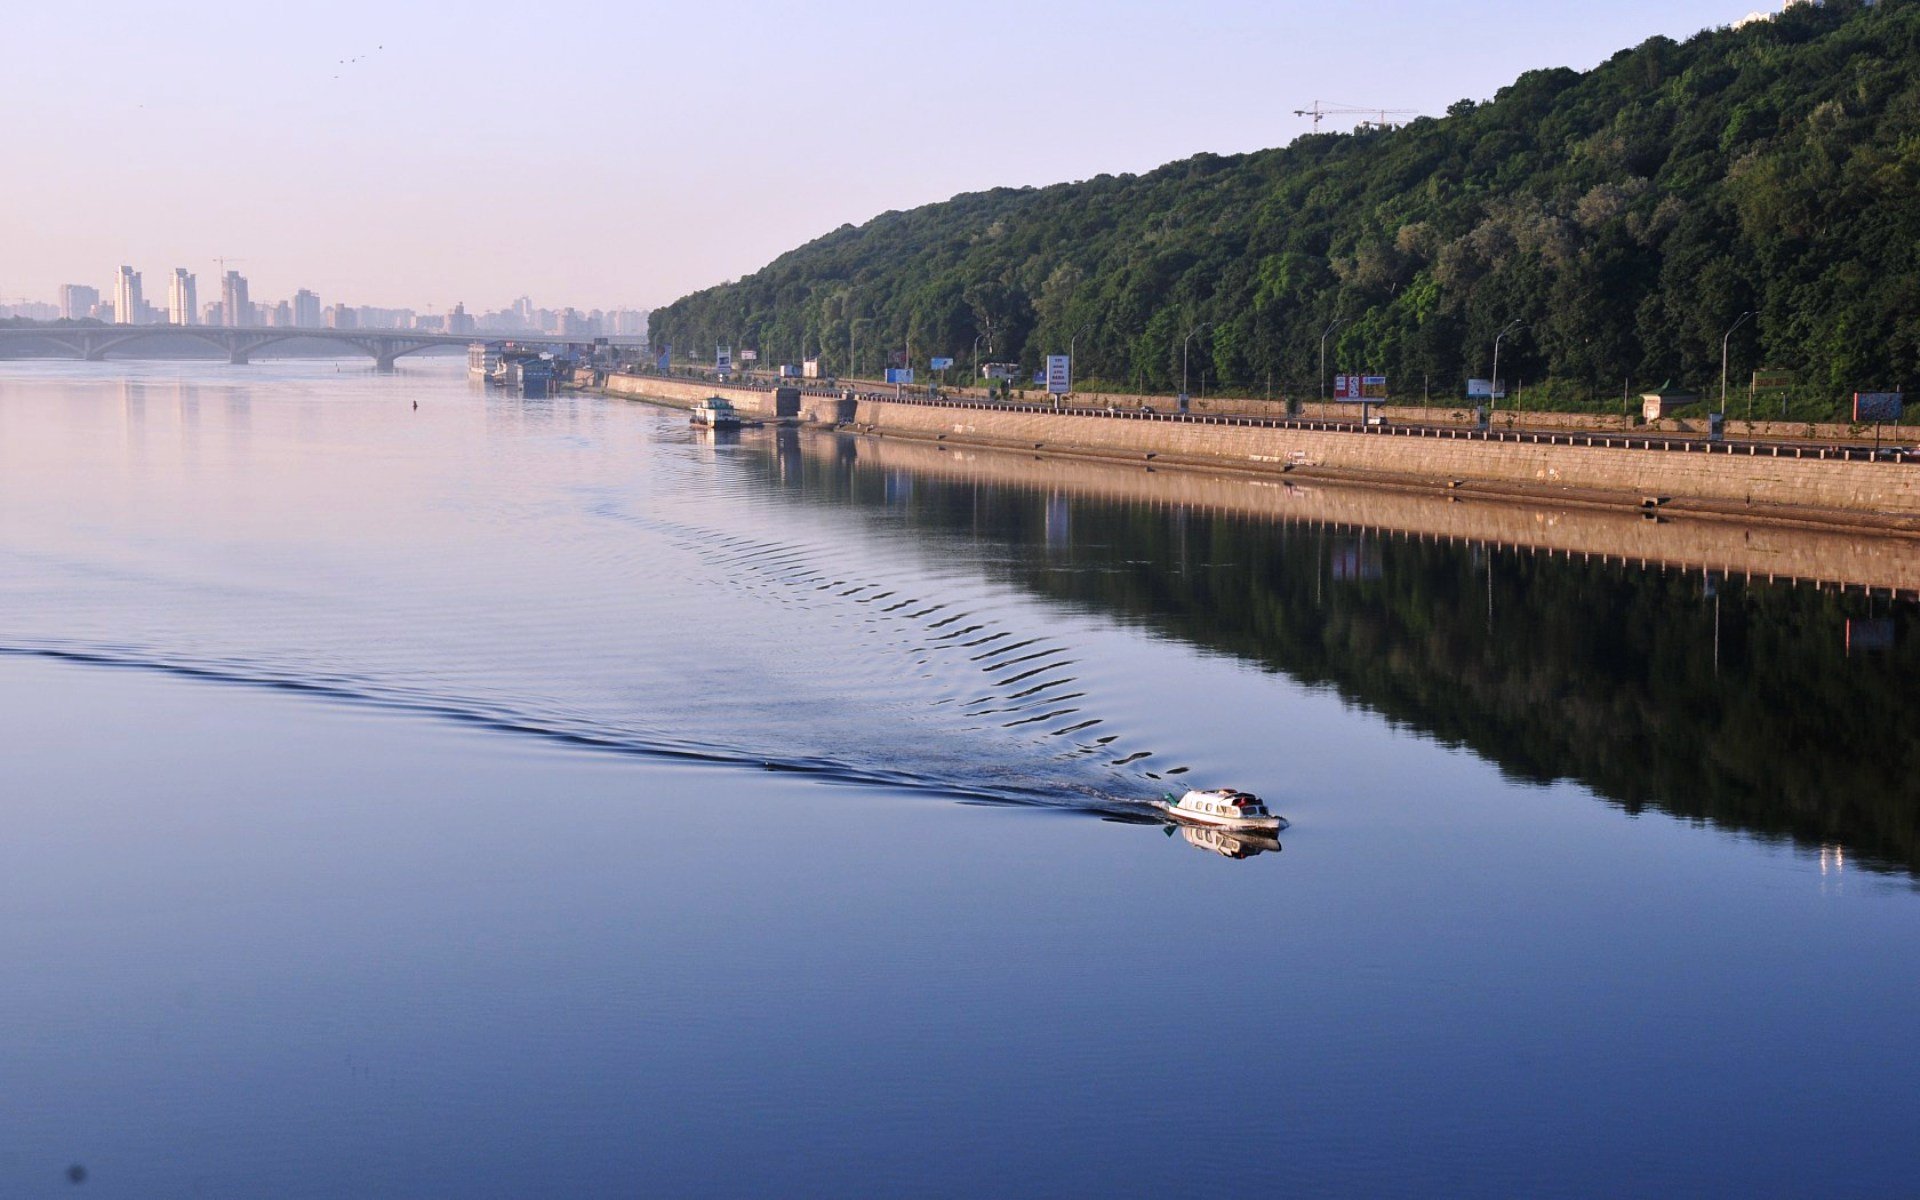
1187, 341
976, 356
1073, 363
1493, 396
1744, 317
847, 301
1075, 339
1324, 335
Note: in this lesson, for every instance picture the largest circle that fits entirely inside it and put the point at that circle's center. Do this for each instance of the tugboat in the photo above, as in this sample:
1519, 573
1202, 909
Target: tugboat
1222, 808
715, 413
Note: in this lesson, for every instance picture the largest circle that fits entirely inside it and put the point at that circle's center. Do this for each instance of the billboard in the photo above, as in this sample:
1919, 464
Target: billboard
1772, 379
666, 357
899, 374
941, 364
749, 356
810, 368
722, 359
1872, 633
1482, 389
1351, 389
1059, 374
1877, 406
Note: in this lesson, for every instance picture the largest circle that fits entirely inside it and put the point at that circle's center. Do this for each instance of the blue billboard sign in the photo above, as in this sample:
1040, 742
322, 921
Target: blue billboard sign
1877, 406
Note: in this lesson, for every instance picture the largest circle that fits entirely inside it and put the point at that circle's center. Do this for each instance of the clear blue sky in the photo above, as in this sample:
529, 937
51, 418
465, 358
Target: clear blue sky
621, 154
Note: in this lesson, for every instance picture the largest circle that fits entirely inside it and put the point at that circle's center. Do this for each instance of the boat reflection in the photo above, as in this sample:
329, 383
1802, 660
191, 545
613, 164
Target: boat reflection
1224, 843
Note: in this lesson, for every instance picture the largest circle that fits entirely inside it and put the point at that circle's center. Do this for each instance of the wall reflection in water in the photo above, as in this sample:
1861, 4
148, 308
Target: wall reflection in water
1707, 692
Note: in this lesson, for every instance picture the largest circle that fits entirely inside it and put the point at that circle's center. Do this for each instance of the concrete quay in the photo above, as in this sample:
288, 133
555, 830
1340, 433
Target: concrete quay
1777, 483
1837, 558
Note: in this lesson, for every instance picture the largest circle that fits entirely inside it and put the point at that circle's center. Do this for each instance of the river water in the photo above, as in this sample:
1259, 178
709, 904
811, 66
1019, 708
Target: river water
505, 798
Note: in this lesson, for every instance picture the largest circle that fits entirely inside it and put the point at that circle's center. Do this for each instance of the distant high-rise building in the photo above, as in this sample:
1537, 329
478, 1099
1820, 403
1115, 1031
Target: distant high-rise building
459, 320
341, 316
183, 305
77, 301
523, 309
237, 309
282, 315
368, 316
215, 313
306, 309
32, 310
128, 304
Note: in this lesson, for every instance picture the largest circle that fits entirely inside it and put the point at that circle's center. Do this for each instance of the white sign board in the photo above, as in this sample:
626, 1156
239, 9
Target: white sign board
749, 356
1482, 389
722, 359
1059, 374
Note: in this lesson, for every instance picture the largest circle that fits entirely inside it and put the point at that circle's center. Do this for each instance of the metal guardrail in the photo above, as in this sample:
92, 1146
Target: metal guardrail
1616, 441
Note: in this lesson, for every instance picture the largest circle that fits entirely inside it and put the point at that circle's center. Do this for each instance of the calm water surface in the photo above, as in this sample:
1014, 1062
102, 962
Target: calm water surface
504, 798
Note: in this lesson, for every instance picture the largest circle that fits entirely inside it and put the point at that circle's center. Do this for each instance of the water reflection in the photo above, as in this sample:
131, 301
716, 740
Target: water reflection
1759, 706
1225, 844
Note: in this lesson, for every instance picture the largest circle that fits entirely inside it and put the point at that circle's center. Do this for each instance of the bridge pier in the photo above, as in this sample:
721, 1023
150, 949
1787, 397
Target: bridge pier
237, 357
384, 362
90, 354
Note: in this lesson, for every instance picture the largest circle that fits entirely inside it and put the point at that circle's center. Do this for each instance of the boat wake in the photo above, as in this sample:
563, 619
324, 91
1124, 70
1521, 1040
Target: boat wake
362, 692
652, 606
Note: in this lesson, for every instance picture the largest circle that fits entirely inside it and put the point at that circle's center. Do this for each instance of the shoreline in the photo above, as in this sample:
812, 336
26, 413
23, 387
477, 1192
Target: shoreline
1880, 499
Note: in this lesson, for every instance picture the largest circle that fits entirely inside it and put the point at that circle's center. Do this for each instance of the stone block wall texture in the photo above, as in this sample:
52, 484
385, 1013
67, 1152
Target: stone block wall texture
1856, 487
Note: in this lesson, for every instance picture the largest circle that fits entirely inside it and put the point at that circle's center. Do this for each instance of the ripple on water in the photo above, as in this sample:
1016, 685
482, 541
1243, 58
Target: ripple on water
623, 588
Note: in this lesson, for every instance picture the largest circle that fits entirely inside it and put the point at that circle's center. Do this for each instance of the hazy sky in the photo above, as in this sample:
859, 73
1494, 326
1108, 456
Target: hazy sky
615, 154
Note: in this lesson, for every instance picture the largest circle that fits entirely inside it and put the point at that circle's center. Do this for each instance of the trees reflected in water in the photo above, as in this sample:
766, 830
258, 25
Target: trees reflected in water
1770, 709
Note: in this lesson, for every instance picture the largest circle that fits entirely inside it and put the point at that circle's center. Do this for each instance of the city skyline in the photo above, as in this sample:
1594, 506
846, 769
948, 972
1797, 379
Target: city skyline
126, 303
423, 172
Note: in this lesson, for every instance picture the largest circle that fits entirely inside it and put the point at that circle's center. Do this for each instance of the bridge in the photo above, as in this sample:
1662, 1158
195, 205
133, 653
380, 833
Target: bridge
93, 343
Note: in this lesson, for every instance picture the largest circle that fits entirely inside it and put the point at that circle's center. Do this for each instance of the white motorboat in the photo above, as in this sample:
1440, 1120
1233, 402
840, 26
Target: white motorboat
1222, 808
715, 412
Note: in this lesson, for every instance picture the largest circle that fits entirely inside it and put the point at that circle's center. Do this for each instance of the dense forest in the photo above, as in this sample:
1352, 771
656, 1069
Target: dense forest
1628, 217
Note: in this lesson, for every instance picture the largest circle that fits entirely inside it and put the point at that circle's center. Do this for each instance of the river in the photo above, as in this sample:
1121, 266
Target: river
414, 791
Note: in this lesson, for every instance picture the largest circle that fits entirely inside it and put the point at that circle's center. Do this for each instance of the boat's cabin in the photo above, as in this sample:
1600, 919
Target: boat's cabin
1225, 802
716, 406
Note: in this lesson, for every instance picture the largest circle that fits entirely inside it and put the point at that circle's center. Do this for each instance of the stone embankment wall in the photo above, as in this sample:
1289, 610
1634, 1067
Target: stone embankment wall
1564, 465
1827, 557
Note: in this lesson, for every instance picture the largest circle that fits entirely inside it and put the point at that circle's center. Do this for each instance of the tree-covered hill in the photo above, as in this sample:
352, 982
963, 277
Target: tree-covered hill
1628, 215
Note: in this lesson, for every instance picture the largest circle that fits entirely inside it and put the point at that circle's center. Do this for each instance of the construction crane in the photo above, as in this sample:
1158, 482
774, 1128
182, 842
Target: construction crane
1320, 112
224, 261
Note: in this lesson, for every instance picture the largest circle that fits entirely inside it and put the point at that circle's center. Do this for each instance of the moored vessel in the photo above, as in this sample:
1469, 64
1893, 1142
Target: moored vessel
715, 412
